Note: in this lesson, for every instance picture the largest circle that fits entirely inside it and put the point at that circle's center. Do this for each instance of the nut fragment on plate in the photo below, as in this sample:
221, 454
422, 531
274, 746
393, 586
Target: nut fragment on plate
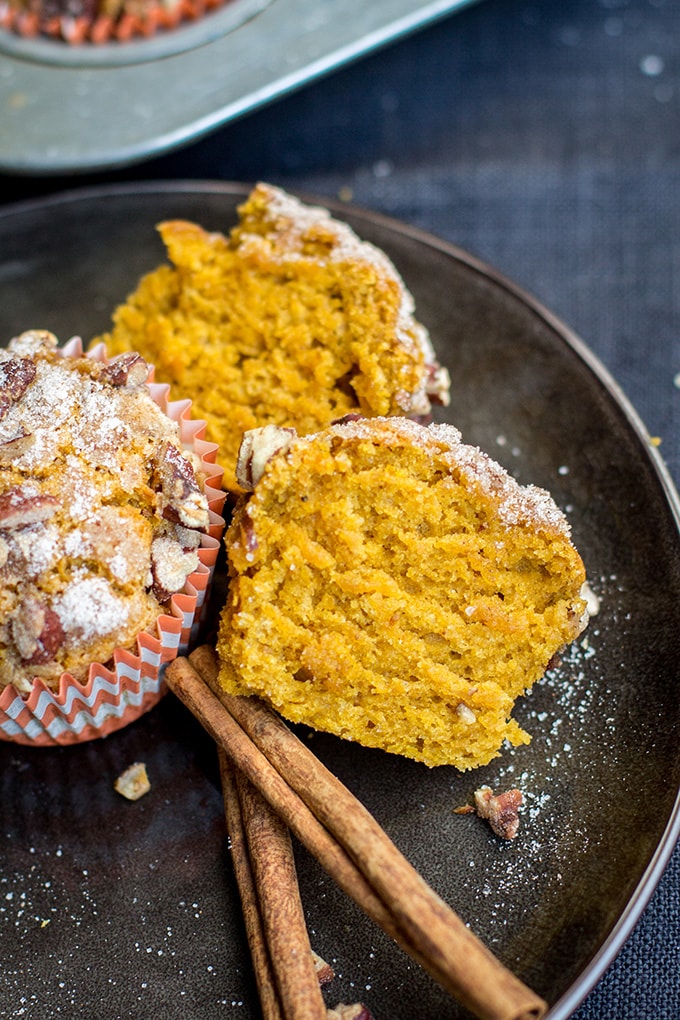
501, 810
323, 970
133, 783
357, 1011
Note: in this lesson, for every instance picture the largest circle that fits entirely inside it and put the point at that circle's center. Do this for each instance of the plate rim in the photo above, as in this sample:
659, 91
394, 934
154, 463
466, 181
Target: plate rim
623, 927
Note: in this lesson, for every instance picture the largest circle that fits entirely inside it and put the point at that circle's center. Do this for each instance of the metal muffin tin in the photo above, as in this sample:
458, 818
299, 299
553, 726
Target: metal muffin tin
69, 109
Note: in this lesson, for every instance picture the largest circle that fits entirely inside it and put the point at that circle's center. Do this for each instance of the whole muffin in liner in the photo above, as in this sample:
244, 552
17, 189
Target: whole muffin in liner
114, 693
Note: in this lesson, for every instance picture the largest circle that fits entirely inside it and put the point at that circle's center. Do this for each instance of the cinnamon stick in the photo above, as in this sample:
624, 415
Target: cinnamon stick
273, 869
228, 734
264, 866
422, 923
257, 941
317, 840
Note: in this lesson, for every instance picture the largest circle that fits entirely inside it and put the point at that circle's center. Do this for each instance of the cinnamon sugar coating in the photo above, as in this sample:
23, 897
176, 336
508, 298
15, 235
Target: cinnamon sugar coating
290, 320
89, 552
393, 586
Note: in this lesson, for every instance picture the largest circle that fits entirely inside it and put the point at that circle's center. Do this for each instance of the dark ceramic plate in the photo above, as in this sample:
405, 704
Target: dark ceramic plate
116, 910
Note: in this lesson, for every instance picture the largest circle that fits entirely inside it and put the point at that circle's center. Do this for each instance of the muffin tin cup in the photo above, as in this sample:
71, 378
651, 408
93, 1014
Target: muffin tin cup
120, 691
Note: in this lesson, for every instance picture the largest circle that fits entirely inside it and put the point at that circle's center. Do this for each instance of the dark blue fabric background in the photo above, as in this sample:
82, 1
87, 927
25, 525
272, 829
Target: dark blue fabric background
543, 137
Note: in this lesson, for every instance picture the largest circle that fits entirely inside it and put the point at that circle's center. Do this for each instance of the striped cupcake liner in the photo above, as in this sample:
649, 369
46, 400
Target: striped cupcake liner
115, 695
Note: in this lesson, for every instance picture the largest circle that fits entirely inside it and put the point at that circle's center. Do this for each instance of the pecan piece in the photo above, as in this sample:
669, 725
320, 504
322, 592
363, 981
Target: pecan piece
500, 810
16, 375
33, 342
19, 508
357, 1011
37, 632
346, 418
182, 500
170, 567
12, 448
324, 972
258, 446
438, 384
248, 536
128, 369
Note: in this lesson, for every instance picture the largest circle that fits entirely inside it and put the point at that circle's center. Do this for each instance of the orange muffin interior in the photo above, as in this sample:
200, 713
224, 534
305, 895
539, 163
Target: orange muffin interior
394, 586
290, 319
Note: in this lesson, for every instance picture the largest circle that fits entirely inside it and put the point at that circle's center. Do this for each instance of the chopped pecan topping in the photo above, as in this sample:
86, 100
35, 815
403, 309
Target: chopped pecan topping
258, 446
16, 375
12, 448
248, 536
19, 508
37, 632
170, 567
182, 499
351, 416
128, 369
34, 342
437, 385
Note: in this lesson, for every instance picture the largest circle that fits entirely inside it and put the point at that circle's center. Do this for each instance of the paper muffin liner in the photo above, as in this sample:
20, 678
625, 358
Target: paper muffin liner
115, 695
122, 27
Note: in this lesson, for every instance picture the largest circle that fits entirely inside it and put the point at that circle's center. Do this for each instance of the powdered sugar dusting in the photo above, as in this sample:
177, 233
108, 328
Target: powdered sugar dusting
568, 714
89, 608
37, 546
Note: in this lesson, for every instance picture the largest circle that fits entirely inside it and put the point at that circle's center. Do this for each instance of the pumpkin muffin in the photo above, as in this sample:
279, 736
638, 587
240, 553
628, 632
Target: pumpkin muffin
290, 320
394, 586
101, 510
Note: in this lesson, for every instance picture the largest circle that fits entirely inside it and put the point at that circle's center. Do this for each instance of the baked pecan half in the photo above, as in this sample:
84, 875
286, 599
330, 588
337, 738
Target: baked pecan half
16, 375
37, 632
258, 446
128, 369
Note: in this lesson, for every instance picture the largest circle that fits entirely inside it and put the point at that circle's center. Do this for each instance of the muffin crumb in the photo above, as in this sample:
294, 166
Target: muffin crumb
133, 783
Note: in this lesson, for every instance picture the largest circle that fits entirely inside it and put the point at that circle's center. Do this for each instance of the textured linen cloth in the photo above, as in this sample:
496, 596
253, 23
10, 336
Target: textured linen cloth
544, 138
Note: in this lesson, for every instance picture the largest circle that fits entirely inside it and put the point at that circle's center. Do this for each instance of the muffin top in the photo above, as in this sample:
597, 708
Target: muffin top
101, 511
